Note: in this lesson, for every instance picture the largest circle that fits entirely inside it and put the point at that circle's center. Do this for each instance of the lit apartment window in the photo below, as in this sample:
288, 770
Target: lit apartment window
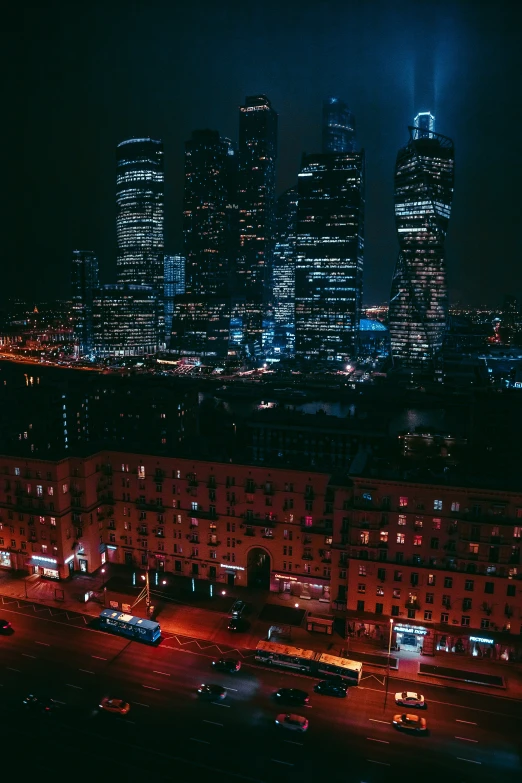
141, 471
362, 570
455, 506
400, 538
437, 505
50, 491
384, 536
17, 471
517, 532
39, 490
361, 587
473, 549
417, 540
402, 519
364, 537
65, 488
436, 524
403, 502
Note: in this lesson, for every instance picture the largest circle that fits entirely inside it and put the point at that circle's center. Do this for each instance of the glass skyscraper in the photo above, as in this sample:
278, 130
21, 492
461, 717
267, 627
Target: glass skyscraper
338, 126
329, 256
424, 176
256, 201
84, 281
139, 216
173, 285
424, 124
284, 270
125, 320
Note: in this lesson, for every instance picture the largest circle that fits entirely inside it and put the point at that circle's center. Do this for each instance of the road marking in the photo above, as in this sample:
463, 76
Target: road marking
12, 670
150, 688
470, 722
213, 722
465, 739
381, 763
87, 671
231, 689
291, 742
286, 763
372, 739
470, 761
217, 703
26, 655
98, 657
44, 644
60, 702
140, 704
375, 720
163, 673
203, 742
78, 687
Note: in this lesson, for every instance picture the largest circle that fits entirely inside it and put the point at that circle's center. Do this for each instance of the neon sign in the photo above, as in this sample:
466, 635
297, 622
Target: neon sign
481, 639
408, 629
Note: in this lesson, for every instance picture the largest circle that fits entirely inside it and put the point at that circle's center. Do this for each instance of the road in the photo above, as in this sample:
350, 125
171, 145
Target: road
170, 731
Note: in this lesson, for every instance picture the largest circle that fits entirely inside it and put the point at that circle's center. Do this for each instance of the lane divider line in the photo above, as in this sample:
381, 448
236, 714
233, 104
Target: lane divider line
381, 763
203, 742
286, 763
213, 722
372, 739
139, 703
469, 722
87, 671
150, 688
43, 644
12, 670
98, 657
220, 705
375, 720
78, 687
165, 674
470, 761
26, 655
291, 742
465, 739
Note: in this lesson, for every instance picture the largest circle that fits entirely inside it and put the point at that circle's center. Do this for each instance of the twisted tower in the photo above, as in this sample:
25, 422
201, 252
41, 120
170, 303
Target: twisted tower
424, 176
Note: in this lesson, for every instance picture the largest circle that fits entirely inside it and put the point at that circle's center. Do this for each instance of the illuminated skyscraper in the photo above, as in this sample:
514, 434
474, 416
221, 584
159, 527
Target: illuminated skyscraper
173, 285
84, 281
284, 270
424, 123
256, 200
125, 320
139, 216
338, 126
208, 213
424, 175
329, 257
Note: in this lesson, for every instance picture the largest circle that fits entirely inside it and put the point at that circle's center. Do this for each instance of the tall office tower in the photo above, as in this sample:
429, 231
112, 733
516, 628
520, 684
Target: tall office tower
84, 281
139, 215
256, 201
125, 320
329, 256
510, 310
338, 127
284, 271
424, 175
173, 285
424, 124
207, 224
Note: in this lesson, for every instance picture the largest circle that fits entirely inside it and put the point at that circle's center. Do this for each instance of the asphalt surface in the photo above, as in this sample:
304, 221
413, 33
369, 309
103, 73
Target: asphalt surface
170, 731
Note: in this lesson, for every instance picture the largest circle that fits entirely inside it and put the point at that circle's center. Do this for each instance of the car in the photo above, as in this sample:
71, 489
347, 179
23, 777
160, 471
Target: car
117, 706
332, 688
41, 704
237, 624
5, 626
413, 723
294, 722
411, 699
211, 691
238, 609
227, 665
292, 696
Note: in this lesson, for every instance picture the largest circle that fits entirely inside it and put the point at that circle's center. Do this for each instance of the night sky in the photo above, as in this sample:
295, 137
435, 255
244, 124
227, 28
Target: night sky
92, 74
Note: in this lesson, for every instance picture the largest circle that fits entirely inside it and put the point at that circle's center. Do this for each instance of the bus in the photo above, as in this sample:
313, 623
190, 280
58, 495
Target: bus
133, 627
308, 661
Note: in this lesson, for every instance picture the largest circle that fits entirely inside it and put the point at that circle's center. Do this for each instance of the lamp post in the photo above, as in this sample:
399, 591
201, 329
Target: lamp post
103, 578
388, 667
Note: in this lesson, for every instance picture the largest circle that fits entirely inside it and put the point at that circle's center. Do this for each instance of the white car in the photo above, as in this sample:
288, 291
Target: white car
411, 699
118, 706
294, 722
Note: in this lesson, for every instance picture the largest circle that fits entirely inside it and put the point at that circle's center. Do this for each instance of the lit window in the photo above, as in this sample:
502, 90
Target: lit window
384, 536
403, 502
53, 521
17, 471
39, 490
417, 540
400, 538
436, 524
361, 587
473, 549
65, 488
455, 506
364, 537
437, 505
362, 570
141, 471
402, 519
308, 521
50, 491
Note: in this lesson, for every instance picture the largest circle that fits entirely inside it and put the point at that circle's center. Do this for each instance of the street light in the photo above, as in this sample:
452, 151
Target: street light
388, 667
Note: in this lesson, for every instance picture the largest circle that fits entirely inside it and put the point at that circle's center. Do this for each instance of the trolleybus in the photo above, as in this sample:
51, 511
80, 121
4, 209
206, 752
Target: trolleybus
123, 624
308, 661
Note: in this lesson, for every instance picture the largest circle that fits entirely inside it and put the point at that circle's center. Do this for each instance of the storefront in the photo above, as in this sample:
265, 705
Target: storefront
301, 587
409, 637
5, 559
44, 566
231, 573
492, 647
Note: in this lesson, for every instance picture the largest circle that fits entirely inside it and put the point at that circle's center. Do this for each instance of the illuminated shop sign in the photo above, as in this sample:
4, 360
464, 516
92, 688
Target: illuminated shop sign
481, 639
232, 568
285, 577
408, 629
71, 557
44, 559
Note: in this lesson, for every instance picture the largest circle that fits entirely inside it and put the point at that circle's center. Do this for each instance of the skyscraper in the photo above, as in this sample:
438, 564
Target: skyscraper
329, 257
84, 281
338, 127
125, 320
139, 217
424, 124
424, 175
256, 200
173, 285
209, 201
284, 270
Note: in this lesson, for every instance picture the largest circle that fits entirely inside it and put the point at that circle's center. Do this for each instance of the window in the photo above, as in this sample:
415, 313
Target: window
417, 540
380, 590
39, 490
434, 543
427, 614
448, 581
469, 585
465, 620
489, 587
484, 623
437, 505
50, 491
65, 488
446, 600
397, 576
396, 592
17, 471
342, 573
466, 604
141, 471
360, 606
194, 505
361, 587
402, 519
362, 570
431, 579
395, 610
455, 506
384, 536
378, 608
400, 538
473, 549
44, 548
364, 537
517, 531
403, 502
444, 618
381, 574
429, 598
436, 524
511, 590
308, 521
419, 521
414, 578
53, 521
411, 614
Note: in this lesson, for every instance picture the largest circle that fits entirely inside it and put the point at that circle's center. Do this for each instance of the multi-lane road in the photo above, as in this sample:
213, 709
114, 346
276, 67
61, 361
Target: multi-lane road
170, 731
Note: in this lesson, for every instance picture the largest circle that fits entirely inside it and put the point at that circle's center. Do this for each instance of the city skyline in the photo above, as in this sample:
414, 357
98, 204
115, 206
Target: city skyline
428, 61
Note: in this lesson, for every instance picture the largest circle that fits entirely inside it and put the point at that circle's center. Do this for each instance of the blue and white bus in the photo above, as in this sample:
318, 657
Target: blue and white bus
308, 661
133, 627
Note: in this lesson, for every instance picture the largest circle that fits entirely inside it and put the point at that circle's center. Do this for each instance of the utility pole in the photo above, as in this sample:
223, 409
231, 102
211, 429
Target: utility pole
388, 667
145, 593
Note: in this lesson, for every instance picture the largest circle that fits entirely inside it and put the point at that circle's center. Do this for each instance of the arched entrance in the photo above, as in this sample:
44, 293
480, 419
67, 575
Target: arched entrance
258, 568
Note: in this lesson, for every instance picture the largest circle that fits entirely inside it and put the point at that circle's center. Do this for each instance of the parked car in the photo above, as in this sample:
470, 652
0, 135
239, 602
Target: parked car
238, 609
332, 688
413, 723
292, 696
411, 699
211, 691
117, 706
294, 722
227, 665
237, 624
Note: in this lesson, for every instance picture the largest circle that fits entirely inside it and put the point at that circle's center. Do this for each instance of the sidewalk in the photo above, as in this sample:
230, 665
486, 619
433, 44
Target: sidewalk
196, 614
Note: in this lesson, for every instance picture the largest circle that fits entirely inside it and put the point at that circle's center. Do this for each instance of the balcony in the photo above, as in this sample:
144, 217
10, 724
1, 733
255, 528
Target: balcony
307, 556
258, 521
214, 543
249, 532
200, 514
149, 505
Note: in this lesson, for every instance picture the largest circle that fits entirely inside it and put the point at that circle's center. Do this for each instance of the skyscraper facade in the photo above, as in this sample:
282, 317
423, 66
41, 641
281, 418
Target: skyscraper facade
173, 285
424, 123
208, 221
329, 256
140, 210
424, 176
256, 201
284, 270
125, 319
338, 127
84, 281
